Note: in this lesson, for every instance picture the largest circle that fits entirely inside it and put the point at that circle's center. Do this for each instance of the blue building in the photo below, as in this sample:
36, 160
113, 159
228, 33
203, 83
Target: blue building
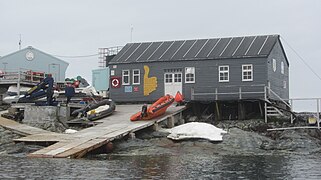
32, 59
100, 80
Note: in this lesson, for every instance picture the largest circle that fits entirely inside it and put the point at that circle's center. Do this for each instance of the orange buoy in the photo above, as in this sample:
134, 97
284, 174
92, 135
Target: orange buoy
179, 98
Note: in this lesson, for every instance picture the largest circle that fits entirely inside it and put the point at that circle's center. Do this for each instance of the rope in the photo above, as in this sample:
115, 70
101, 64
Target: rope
81, 56
301, 59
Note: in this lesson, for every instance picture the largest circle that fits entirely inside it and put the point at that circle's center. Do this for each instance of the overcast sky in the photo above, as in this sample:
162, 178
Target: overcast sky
80, 27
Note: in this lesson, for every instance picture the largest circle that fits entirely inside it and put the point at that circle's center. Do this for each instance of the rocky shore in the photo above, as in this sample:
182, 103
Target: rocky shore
247, 137
6, 140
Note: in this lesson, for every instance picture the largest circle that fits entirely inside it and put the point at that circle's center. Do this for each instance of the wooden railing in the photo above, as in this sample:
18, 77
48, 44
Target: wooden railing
22, 76
266, 94
240, 93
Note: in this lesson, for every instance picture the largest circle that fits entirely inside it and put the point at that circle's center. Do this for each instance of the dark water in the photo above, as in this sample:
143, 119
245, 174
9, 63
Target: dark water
187, 166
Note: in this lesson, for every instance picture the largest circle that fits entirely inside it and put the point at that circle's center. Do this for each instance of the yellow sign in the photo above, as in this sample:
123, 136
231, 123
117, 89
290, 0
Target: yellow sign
150, 83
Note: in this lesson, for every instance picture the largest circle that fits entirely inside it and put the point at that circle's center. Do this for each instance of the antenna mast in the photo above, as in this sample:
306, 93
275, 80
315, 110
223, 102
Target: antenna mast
131, 32
20, 42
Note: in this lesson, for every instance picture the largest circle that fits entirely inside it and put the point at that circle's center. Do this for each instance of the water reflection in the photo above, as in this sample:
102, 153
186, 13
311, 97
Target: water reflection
181, 166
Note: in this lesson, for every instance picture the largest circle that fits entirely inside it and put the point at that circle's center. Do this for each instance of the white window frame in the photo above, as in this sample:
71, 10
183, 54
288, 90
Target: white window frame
274, 65
136, 83
247, 70
123, 75
178, 78
192, 72
284, 84
168, 80
282, 67
223, 73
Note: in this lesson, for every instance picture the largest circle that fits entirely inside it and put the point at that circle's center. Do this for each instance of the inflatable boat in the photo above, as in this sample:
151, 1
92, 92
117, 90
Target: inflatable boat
96, 110
155, 110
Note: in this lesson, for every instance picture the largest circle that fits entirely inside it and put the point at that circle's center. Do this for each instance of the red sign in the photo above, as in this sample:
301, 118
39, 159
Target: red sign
136, 89
115, 82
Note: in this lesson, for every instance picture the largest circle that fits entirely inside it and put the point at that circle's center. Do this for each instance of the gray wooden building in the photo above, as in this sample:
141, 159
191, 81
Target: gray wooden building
218, 69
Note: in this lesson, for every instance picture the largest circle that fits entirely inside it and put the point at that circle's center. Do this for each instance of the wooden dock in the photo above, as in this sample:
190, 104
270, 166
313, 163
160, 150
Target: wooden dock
80, 143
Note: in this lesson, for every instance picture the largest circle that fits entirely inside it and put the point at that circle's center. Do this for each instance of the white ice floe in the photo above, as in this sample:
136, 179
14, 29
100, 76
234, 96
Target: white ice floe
196, 130
70, 131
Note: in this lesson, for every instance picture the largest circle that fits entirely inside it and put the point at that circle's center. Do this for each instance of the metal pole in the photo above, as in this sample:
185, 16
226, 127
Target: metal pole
4, 67
48, 69
18, 83
216, 94
291, 101
318, 113
192, 93
58, 72
265, 106
269, 86
131, 32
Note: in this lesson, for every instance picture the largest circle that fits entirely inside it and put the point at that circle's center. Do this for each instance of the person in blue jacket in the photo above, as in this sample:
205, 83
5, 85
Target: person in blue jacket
49, 81
69, 91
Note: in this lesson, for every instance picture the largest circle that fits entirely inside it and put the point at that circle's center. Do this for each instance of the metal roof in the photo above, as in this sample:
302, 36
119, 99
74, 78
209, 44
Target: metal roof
217, 48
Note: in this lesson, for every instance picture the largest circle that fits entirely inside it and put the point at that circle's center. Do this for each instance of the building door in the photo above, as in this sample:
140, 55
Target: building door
54, 70
173, 83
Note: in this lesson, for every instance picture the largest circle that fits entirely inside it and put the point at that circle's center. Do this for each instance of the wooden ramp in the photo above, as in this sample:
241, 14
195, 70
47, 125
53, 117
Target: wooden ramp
78, 144
21, 129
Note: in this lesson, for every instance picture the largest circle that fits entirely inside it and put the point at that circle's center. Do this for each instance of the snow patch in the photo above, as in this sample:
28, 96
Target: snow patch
70, 131
196, 130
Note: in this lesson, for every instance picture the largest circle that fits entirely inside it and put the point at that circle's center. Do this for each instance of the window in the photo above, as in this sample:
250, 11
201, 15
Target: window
112, 72
190, 75
282, 67
126, 77
247, 72
136, 76
177, 77
274, 65
284, 84
168, 78
223, 73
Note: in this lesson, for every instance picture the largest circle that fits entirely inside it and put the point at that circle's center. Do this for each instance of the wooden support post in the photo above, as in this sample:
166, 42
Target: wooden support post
217, 114
241, 110
240, 93
181, 120
196, 109
261, 109
131, 135
192, 94
155, 126
171, 122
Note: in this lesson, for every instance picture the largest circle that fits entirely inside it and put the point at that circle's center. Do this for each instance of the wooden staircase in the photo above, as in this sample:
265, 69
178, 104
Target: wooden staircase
272, 111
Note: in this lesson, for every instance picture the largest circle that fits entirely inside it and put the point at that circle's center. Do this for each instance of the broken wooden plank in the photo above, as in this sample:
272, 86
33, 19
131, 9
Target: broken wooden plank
44, 137
19, 128
293, 128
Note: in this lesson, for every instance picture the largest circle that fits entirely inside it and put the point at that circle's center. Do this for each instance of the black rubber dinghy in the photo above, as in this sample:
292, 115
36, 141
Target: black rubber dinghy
96, 115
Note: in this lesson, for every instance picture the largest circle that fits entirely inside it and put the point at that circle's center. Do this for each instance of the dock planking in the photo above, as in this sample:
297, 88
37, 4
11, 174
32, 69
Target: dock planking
80, 143
21, 129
